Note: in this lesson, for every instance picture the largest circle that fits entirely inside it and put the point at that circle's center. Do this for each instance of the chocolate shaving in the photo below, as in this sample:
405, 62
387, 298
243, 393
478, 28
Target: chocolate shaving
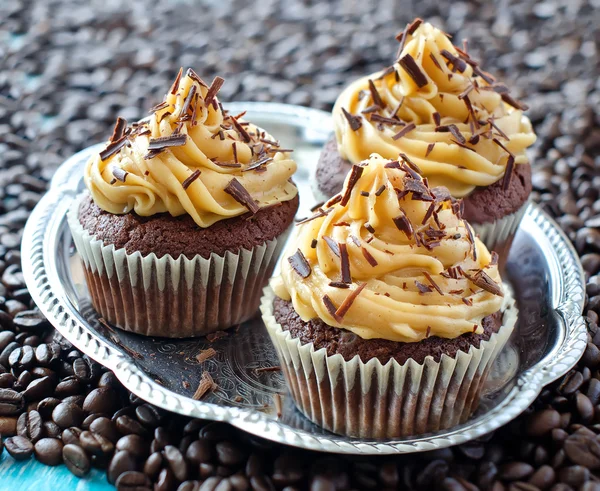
457, 134
355, 174
334, 200
415, 186
499, 143
494, 259
318, 214
387, 121
435, 60
375, 95
332, 245
206, 385
241, 130
339, 284
239, 193
175, 85
380, 190
348, 301
510, 163
500, 132
191, 178
158, 107
214, 336
369, 257
205, 354
167, 141
259, 163
414, 25
228, 165
214, 88
300, 264
194, 76
472, 241
412, 165
394, 164
112, 148
331, 308
456, 292
428, 332
437, 118
403, 224
355, 240
429, 149
456, 62
484, 75
467, 301
354, 121
428, 214
119, 130
407, 129
345, 263
433, 283
514, 102
119, 174
466, 92
373, 108
423, 288
267, 369
483, 281
183, 115
410, 66
369, 227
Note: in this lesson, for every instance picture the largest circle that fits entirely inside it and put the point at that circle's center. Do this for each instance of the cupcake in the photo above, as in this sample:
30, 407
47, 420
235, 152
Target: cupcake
388, 312
184, 216
452, 119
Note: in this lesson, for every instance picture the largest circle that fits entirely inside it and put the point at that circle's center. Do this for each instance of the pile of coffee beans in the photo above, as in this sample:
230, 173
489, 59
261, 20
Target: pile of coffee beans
68, 68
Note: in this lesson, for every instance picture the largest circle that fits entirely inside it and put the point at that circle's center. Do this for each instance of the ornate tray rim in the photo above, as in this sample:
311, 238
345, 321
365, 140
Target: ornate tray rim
40, 240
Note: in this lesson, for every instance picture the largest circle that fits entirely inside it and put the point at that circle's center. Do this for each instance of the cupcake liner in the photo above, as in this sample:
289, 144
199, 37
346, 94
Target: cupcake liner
373, 400
498, 235
174, 298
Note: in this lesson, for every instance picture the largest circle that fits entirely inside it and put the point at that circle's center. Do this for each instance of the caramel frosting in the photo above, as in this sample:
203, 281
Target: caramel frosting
440, 109
390, 257
190, 156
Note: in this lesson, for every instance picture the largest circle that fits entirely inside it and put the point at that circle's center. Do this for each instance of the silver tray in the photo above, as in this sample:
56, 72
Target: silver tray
543, 269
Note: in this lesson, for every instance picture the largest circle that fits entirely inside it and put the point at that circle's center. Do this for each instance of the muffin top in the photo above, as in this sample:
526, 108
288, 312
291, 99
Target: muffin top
436, 105
389, 257
190, 156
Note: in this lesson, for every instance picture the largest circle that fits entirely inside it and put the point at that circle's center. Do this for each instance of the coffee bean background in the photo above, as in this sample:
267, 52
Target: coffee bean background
68, 68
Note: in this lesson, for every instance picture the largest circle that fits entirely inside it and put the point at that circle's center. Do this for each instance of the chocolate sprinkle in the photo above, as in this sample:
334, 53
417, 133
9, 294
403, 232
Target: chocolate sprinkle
369, 257
355, 174
190, 179
349, 300
300, 264
387, 121
365, 193
510, 163
375, 95
112, 148
119, 174
369, 227
433, 283
354, 121
239, 193
339, 284
407, 129
167, 141
331, 308
429, 149
332, 245
437, 118
183, 115
194, 76
403, 224
241, 130
410, 66
513, 102
457, 63
414, 25
380, 190
345, 263
119, 130
313, 243
175, 85
214, 88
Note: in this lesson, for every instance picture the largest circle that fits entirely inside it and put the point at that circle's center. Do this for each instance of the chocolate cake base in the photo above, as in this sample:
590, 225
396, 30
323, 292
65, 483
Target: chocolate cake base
483, 205
348, 344
164, 234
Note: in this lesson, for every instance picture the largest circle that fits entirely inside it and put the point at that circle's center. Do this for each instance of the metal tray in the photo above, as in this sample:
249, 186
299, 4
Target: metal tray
543, 269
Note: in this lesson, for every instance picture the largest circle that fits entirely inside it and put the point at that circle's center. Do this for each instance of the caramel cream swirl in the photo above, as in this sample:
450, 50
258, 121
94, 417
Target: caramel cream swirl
440, 109
183, 160
390, 258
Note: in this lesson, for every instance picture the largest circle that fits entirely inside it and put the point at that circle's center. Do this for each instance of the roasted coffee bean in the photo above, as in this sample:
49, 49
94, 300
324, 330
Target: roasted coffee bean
135, 445
8, 426
76, 460
153, 465
185, 442
105, 427
21, 358
161, 439
49, 451
230, 454
40, 372
543, 422
148, 415
30, 320
103, 400
261, 483
216, 432
11, 402
39, 389
71, 436
543, 477
82, 370
583, 450
176, 462
23, 380
202, 451
69, 386
122, 461
45, 354
207, 470
29, 425
95, 444
18, 447
6, 337
7, 380
89, 419
287, 470
132, 480
66, 415
51, 429
127, 426
585, 408
574, 475
165, 481
515, 471
108, 380
77, 400
190, 486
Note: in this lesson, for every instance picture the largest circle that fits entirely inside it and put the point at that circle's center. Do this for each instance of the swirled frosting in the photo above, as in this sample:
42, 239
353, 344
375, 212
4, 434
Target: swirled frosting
191, 157
440, 109
390, 258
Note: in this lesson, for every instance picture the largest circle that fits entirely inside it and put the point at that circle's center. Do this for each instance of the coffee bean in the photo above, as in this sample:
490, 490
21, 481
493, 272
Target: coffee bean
7, 380
121, 462
202, 451
185, 442
165, 481
190, 486
89, 419
515, 471
583, 450
18, 447
48, 451
149, 415
21, 358
216, 432
29, 425
105, 427
82, 370
260, 483
230, 454
39, 389
543, 477
571, 383
8, 426
543, 422
71, 436
95, 444
30, 320
6, 337
153, 465
133, 480
127, 426
69, 386
103, 400
585, 408
7, 351
76, 459
51, 429
11, 402
66, 415
135, 445
176, 462
574, 475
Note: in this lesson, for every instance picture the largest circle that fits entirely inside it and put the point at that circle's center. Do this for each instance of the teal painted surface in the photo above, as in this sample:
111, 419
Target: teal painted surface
31, 475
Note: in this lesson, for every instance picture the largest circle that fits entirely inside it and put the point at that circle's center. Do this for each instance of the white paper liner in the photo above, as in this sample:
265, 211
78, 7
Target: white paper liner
372, 400
170, 297
498, 235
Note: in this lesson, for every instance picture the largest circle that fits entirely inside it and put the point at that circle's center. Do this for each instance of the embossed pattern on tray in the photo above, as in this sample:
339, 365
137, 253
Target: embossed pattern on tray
543, 269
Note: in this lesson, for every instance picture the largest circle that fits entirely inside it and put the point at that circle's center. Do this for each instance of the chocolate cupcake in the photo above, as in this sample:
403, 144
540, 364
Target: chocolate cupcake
453, 120
185, 215
388, 312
